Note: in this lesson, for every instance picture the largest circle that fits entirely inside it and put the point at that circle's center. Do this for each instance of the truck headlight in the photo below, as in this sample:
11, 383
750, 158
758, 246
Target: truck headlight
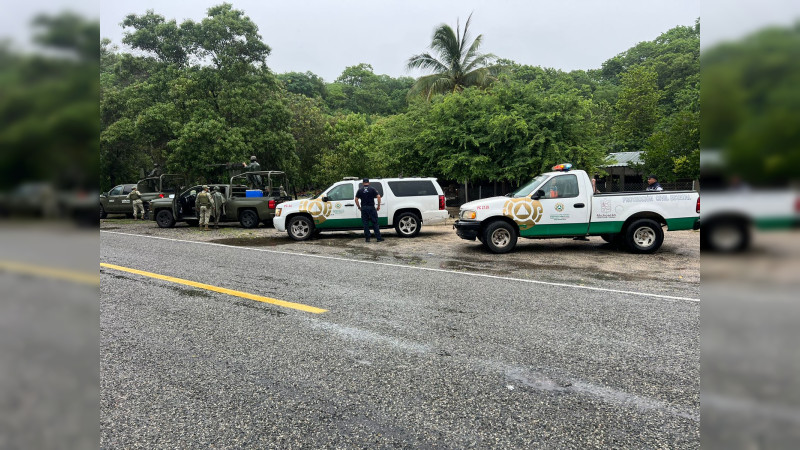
278, 212
468, 214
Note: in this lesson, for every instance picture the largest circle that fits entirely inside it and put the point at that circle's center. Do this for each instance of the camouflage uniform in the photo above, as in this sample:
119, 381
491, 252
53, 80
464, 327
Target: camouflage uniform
219, 205
204, 203
255, 180
136, 199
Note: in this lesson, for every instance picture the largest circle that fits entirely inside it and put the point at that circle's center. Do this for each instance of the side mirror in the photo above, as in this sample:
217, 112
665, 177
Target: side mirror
539, 194
325, 199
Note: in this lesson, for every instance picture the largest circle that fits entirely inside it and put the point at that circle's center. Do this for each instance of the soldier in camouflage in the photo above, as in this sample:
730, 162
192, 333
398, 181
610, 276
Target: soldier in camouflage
204, 203
136, 200
255, 180
219, 205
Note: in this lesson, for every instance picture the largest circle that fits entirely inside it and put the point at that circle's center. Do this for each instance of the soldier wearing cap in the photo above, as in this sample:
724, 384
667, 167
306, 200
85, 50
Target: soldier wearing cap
136, 199
652, 184
204, 203
365, 201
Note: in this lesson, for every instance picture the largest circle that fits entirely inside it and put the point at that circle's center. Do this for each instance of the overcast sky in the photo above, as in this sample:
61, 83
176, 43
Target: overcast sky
327, 36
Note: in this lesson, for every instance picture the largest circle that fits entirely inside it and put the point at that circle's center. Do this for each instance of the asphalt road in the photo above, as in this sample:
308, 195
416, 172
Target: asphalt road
404, 357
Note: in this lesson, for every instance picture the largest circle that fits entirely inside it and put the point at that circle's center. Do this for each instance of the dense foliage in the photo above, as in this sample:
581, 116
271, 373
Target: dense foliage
199, 94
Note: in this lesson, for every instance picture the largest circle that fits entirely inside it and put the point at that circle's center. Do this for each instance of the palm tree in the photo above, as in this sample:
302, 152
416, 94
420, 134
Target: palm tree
457, 66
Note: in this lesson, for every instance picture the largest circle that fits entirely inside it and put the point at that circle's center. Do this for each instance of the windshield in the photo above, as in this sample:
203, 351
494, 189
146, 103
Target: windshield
526, 189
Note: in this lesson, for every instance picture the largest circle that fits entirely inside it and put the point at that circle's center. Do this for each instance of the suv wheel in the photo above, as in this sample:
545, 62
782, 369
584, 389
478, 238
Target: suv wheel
300, 228
408, 224
103, 213
248, 219
500, 237
644, 236
164, 219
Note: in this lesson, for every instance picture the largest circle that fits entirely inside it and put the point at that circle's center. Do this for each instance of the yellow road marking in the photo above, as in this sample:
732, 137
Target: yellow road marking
209, 287
51, 272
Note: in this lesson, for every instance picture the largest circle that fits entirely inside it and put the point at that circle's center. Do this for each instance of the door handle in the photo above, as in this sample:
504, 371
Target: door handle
349, 204
579, 205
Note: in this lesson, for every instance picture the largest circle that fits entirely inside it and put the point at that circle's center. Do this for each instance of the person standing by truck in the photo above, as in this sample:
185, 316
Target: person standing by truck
205, 203
219, 205
365, 202
136, 200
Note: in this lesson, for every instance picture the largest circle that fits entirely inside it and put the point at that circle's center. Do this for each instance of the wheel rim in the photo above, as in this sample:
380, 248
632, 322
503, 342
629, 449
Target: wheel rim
501, 237
726, 237
300, 229
408, 225
162, 219
644, 237
248, 219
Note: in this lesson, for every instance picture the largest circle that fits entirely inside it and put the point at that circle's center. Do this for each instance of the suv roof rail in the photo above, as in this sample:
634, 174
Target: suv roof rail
350, 178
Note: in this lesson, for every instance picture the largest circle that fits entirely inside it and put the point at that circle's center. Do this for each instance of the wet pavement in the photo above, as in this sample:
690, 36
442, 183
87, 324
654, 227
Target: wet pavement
673, 270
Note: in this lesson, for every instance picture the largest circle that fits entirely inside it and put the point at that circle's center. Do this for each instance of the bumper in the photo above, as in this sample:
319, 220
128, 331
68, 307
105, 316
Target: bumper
467, 230
434, 217
279, 223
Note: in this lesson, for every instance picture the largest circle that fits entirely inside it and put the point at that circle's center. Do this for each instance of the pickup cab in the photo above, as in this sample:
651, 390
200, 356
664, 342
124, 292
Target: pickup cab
561, 203
249, 211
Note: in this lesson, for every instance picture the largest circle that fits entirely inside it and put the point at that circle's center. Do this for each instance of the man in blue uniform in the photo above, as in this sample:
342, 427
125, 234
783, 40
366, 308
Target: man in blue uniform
365, 201
652, 184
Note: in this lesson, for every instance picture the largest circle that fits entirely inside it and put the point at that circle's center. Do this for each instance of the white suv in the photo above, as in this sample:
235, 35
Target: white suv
406, 203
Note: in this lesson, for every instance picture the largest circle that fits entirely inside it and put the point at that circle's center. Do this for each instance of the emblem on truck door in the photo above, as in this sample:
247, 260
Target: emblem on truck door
524, 211
318, 209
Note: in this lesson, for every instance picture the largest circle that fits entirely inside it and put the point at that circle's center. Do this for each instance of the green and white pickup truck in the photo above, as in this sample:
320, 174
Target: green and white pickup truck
562, 204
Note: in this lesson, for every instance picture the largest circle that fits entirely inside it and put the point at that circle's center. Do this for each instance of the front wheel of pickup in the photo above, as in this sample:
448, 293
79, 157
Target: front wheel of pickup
248, 219
644, 236
500, 237
164, 219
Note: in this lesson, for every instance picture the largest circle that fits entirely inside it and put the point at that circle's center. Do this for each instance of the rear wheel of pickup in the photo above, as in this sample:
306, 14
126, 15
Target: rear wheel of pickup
725, 236
644, 236
407, 225
500, 237
164, 219
300, 228
248, 218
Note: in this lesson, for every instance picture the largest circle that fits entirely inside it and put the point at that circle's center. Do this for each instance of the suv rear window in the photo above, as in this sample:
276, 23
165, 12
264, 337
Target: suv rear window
412, 188
378, 186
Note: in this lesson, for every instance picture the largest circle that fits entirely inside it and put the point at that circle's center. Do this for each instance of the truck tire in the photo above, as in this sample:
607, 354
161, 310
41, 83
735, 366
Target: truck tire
164, 219
300, 228
725, 236
407, 225
248, 219
500, 237
103, 213
644, 236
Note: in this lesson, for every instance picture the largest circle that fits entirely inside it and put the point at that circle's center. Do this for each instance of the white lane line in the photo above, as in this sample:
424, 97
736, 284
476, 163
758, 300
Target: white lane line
495, 277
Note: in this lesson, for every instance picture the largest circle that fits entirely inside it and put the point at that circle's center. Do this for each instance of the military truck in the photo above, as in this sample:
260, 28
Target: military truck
115, 201
241, 203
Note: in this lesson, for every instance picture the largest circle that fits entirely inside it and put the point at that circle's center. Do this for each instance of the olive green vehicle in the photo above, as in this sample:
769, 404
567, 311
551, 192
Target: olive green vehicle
248, 211
116, 200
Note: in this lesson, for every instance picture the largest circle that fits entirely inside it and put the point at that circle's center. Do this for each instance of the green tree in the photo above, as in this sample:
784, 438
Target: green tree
308, 84
637, 108
359, 90
202, 96
457, 64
